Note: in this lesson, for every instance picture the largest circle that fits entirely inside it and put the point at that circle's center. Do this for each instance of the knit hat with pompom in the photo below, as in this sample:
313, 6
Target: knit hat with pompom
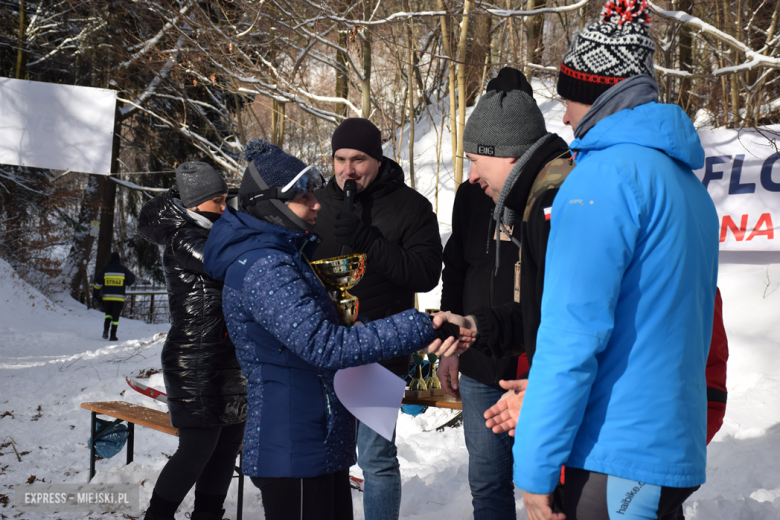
277, 169
608, 51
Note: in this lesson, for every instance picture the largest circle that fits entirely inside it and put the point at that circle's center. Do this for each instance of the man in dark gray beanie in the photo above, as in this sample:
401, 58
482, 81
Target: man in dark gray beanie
198, 183
520, 166
398, 231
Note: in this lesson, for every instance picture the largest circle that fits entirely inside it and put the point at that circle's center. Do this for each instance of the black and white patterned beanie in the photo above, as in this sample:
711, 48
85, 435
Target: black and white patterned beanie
608, 51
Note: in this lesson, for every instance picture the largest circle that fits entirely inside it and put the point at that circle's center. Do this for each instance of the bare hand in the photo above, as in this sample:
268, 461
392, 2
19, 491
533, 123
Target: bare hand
538, 507
448, 375
502, 416
468, 327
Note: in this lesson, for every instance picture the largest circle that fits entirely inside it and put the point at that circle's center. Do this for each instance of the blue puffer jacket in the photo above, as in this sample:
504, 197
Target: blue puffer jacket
618, 383
290, 344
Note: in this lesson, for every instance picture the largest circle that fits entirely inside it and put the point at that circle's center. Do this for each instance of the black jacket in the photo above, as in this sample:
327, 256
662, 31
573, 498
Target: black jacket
405, 259
203, 379
468, 280
511, 329
113, 279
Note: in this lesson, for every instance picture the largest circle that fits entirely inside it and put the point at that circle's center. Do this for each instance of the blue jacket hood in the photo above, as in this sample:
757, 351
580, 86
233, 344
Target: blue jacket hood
236, 233
653, 125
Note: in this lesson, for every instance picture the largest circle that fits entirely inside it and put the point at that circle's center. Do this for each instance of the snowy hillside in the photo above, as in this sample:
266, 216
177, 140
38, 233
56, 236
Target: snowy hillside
52, 359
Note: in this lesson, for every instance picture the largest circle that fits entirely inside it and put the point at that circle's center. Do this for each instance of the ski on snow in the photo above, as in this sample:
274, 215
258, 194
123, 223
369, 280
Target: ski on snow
148, 391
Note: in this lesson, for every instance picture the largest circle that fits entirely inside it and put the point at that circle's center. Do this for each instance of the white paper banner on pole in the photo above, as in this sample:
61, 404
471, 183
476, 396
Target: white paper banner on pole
62, 127
742, 175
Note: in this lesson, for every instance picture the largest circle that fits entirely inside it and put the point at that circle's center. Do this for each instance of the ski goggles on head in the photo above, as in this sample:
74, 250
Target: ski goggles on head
308, 180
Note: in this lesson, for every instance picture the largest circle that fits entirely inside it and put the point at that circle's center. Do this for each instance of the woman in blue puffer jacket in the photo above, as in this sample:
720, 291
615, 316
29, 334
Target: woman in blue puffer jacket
300, 440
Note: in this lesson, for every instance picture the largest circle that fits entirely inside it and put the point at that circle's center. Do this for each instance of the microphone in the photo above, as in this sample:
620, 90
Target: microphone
350, 187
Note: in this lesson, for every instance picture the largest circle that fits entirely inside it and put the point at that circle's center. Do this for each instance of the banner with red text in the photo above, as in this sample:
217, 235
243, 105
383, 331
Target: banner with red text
742, 175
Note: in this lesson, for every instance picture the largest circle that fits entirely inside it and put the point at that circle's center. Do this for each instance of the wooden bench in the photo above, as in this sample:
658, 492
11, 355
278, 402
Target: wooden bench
439, 401
148, 418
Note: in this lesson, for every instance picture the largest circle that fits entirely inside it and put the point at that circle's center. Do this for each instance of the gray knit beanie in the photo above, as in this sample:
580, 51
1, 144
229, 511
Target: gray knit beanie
199, 182
506, 121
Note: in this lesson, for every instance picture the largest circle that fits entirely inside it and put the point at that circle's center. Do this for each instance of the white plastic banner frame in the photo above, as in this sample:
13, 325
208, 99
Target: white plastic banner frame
61, 127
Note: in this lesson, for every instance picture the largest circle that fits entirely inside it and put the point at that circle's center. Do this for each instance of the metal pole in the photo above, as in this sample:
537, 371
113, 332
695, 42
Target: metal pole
130, 441
93, 423
240, 508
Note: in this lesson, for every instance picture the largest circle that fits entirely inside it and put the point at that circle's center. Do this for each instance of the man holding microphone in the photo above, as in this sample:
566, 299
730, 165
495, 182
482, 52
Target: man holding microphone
398, 231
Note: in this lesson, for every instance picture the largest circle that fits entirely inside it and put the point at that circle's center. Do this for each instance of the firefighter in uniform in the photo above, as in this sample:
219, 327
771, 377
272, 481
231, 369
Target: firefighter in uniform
113, 280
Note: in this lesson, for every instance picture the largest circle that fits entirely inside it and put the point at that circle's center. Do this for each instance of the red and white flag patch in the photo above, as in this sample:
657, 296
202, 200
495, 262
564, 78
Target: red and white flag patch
547, 212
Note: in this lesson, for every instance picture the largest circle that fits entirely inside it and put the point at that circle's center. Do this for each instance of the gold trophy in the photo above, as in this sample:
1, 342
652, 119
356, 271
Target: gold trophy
338, 275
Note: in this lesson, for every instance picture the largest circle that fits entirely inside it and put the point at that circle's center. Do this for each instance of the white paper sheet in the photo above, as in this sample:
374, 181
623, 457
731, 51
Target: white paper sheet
373, 394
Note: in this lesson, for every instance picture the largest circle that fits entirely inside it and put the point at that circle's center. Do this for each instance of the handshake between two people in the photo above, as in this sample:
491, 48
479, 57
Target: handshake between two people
456, 334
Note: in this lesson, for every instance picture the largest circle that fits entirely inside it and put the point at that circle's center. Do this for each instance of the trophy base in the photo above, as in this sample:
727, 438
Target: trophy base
348, 310
417, 393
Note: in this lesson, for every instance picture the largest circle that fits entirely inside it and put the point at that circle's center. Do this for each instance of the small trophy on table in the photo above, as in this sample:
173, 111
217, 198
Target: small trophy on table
338, 275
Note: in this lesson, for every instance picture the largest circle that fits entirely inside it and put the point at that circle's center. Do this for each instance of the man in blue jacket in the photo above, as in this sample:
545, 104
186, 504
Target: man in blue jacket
617, 391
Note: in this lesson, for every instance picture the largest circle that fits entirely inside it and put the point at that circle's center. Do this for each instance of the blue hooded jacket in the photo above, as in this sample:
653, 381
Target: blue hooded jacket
618, 380
290, 344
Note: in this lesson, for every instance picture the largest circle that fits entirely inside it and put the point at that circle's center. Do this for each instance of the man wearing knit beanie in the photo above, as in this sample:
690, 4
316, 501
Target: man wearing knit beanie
617, 392
519, 166
398, 231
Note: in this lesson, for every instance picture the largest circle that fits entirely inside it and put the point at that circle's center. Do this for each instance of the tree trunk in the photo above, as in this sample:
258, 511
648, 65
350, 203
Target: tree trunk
534, 31
477, 50
342, 80
410, 42
464, 28
108, 197
20, 52
365, 86
686, 62
446, 37
78, 257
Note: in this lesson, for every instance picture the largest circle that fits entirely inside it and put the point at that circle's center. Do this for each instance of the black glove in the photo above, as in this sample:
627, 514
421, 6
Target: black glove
96, 296
448, 330
350, 231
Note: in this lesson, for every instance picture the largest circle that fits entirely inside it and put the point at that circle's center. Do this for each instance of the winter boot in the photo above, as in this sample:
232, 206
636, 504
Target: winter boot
106, 325
113, 332
203, 515
208, 506
160, 508
151, 516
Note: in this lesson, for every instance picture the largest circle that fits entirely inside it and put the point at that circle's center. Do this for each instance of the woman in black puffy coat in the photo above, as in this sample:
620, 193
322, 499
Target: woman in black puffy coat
205, 386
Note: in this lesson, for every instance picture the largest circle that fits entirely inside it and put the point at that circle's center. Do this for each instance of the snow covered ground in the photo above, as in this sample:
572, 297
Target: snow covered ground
52, 359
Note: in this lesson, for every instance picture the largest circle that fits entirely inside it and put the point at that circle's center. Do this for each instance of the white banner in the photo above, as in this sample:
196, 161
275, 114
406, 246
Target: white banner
62, 127
742, 175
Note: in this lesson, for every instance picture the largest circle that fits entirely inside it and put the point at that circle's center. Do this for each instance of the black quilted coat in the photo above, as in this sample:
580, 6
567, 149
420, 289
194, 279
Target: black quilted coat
203, 379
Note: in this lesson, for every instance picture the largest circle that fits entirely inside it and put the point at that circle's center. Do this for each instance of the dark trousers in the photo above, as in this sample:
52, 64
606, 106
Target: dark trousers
595, 496
326, 497
206, 457
113, 310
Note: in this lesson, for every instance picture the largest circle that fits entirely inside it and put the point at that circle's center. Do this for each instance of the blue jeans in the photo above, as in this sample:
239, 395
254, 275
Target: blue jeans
377, 457
490, 455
